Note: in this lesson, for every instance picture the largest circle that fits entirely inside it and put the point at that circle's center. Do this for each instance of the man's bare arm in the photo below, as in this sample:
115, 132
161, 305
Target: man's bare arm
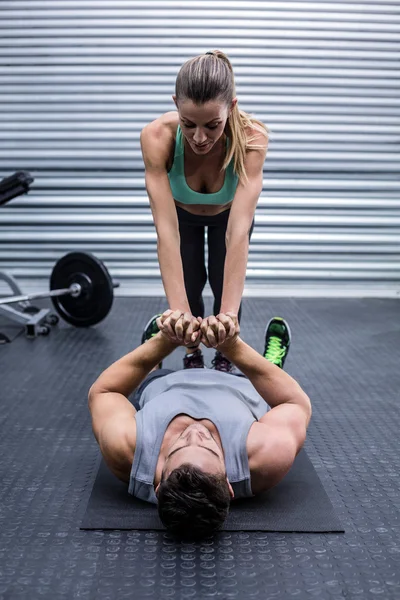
278, 436
271, 382
113, 416
128, 372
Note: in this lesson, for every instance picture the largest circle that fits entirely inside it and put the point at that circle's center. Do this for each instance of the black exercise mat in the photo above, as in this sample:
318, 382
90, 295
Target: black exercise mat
298, 504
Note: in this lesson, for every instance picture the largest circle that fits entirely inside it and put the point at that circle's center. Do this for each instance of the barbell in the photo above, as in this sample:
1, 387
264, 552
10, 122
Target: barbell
81, 290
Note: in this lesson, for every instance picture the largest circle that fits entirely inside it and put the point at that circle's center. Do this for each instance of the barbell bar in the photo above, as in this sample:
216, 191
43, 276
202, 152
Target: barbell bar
74, 290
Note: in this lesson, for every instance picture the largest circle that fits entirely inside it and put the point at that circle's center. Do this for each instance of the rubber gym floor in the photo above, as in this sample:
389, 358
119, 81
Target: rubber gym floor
345, 353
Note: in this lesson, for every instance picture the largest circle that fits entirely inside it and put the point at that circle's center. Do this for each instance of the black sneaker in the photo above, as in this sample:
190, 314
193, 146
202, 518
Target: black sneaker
195, 360
221, 363
277, 341
150, 330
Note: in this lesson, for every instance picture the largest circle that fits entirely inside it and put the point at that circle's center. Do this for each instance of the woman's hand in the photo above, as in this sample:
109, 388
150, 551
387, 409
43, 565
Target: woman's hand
180, 328
220, 331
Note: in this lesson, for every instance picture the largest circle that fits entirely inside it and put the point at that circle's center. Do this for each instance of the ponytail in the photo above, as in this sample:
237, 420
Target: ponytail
208, 77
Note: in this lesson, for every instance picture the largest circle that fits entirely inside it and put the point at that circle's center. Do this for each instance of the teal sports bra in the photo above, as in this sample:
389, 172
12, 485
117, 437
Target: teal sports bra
183, 193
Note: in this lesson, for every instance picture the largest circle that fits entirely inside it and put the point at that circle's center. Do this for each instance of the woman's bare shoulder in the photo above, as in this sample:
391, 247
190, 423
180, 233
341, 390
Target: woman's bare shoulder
257, 135
163, 128
157, 138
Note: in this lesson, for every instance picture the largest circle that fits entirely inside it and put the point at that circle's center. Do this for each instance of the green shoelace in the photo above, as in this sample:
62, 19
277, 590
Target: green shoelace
155, 328
275, 352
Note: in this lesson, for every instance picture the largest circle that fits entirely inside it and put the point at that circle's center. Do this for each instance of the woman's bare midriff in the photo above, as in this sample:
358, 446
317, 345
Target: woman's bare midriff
204, 210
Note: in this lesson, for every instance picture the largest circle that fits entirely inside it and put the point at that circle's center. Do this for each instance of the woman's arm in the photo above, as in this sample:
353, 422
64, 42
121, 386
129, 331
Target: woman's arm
156, 141
239, 224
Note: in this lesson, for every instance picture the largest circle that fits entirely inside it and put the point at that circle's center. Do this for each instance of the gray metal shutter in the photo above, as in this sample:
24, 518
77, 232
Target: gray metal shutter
80, 78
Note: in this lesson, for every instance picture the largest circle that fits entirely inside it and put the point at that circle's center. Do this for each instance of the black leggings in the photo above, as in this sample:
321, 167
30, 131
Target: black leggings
191, 229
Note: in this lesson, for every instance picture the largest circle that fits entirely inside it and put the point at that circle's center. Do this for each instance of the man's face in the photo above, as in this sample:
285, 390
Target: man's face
195, 445
202, 125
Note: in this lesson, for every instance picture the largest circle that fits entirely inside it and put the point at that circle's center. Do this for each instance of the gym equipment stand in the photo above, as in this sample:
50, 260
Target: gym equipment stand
35, 320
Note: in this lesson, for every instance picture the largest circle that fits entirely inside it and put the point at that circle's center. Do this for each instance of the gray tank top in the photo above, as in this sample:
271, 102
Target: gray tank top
230, 402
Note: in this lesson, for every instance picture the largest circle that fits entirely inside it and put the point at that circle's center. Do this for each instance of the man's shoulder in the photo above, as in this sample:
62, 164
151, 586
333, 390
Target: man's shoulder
117, 445
271, 455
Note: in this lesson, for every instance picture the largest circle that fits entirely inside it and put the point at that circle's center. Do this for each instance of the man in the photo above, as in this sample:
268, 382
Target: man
201, 437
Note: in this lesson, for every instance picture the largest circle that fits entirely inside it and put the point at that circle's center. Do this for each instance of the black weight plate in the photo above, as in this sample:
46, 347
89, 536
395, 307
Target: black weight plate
95, 301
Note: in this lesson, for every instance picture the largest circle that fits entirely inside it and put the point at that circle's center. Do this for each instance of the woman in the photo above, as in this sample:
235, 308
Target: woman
204, 169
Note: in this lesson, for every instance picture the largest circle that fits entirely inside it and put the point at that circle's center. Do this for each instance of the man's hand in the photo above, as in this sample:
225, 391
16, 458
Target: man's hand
221, 331
180, 328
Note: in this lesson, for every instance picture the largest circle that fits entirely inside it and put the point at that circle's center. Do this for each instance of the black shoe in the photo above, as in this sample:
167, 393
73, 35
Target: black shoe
221, 363
150, 330
277, 341
195, 360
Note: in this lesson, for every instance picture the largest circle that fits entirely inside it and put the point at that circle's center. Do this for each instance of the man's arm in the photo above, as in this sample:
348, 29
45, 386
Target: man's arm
277, 438
128, 372
271, 382
113, 416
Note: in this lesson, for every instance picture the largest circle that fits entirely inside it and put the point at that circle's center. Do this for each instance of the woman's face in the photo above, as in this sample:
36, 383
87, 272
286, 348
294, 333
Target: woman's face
202, 125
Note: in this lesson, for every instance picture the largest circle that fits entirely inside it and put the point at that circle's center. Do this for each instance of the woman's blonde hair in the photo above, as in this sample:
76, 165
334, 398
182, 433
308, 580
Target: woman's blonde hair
210, 77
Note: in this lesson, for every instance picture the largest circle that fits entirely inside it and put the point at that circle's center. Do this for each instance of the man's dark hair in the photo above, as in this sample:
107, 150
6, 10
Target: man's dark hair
193, 504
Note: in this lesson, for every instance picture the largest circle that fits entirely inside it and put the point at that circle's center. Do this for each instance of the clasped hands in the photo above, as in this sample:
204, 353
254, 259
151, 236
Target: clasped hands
184, 329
